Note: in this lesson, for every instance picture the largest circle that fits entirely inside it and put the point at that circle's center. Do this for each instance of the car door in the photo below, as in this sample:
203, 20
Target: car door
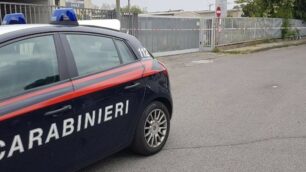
109, 90
36, 112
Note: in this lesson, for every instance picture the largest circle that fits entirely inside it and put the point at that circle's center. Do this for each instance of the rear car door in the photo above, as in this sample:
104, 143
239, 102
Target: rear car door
36, 112
110, 91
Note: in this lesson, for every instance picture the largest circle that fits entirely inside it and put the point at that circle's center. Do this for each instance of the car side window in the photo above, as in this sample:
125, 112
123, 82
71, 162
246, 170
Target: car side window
125, 53
93, 54
27, 64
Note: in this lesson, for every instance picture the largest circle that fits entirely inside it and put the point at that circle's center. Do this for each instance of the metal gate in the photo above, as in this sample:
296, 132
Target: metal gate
207, 35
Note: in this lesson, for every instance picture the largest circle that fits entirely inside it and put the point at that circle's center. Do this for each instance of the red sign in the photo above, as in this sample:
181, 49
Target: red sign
218, 12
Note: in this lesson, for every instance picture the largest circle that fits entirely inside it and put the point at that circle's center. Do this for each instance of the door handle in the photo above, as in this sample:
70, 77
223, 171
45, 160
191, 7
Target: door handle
63, 109
132, 86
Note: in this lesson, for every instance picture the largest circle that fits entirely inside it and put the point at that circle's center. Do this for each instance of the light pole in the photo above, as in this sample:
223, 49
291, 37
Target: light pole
129, 6
129, 15
118, 9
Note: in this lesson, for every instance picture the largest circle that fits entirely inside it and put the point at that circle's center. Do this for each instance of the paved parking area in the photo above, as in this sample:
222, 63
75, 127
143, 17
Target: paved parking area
232, 113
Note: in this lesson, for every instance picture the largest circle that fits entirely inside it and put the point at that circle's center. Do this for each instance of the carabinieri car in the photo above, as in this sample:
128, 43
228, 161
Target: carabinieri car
71, 95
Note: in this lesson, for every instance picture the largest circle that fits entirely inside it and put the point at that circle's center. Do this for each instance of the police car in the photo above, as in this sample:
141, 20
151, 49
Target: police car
72, 94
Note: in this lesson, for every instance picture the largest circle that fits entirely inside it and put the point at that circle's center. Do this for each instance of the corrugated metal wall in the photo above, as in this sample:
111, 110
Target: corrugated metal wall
160, 34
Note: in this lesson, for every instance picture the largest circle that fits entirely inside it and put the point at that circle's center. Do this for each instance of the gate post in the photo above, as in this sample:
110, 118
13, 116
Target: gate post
213, 42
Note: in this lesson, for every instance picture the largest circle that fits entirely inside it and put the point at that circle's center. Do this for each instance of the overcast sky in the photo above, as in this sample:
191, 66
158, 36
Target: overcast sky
164, 5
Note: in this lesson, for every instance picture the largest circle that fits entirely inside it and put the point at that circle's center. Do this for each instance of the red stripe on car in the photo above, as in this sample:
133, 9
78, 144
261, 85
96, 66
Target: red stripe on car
126, 77
50, 89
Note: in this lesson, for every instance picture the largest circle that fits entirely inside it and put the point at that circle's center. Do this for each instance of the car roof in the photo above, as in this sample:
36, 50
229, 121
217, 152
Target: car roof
9, 32
4, 29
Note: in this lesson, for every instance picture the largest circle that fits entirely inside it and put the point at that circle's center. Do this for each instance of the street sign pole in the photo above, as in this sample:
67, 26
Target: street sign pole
218, 15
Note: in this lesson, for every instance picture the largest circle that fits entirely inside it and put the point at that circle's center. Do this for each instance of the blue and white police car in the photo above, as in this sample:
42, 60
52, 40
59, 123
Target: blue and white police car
72, 94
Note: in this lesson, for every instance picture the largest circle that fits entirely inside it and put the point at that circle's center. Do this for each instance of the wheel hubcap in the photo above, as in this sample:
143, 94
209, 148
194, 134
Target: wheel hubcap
155, 128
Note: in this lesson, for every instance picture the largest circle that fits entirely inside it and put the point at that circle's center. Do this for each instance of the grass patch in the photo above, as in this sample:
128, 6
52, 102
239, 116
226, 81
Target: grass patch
216, 50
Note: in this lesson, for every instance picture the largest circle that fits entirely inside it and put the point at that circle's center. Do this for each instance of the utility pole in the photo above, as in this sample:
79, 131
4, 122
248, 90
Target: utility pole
130, 16
118, 9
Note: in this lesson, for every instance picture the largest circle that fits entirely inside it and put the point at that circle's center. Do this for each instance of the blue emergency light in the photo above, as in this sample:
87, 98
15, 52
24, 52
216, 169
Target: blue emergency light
64, 16
14, 18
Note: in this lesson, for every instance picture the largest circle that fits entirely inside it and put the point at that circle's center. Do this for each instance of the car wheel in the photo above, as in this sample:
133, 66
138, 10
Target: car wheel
152, 130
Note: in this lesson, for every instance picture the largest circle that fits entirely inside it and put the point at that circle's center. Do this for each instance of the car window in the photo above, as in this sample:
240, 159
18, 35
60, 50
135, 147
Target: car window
93, 53
27, 64
126, 54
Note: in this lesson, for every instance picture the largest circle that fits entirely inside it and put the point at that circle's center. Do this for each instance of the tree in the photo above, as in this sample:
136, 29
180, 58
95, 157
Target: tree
134, 9
300, 9
286, 9
268, 8
274, 8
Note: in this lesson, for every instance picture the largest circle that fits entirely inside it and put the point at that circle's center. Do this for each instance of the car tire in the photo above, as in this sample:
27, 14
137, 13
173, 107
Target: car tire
153, 129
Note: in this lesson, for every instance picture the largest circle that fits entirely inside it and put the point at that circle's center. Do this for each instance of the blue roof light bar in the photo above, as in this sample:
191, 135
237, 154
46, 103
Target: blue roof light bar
64, 16
14, 18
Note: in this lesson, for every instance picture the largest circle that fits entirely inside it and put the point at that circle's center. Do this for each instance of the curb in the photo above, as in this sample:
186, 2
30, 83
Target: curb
247, 51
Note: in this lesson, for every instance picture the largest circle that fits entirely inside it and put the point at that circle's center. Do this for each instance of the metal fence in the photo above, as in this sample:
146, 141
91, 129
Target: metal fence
163, 34
37, 13
129, 23
299, 25
239, 30
170, 34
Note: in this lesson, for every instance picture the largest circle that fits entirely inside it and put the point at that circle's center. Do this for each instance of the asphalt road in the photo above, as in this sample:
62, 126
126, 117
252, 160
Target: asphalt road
232, 113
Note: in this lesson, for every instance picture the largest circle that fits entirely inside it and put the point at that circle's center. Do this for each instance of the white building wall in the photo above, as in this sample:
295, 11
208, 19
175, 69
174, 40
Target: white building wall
87, 3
